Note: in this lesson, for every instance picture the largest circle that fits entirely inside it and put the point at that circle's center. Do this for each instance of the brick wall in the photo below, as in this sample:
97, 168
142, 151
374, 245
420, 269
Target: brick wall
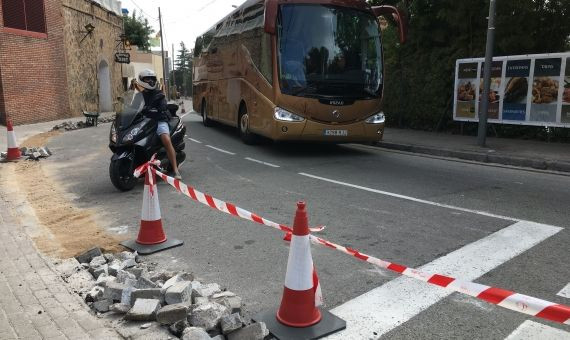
33, 72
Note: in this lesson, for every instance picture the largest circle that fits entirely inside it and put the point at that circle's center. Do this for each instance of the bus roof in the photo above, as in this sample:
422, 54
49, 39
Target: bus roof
358, 4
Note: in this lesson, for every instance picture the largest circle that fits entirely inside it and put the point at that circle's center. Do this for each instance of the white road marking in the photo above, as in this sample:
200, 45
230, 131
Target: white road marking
262, 162
390, 305
530, 330
220, 150
184, 115
195, 140
565, 292
413, 199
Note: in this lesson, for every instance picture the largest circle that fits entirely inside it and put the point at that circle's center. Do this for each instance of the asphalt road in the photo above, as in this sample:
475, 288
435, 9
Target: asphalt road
399, 207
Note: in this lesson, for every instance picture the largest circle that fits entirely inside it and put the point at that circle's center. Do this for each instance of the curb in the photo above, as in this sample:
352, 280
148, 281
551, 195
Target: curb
540, 164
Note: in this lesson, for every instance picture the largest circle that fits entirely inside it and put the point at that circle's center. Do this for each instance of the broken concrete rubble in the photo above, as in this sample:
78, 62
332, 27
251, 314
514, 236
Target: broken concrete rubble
132, 291
143, 310
255, 331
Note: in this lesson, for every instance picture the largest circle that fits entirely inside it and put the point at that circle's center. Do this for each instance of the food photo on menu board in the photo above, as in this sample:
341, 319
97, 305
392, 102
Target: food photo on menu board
494, 90
466, 90
545, 87
565, 117
516, 89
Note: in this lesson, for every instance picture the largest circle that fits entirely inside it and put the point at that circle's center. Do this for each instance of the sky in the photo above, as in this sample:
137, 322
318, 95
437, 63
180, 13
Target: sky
182, 20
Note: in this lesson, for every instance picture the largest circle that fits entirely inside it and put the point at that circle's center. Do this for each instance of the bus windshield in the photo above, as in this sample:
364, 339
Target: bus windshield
329, 51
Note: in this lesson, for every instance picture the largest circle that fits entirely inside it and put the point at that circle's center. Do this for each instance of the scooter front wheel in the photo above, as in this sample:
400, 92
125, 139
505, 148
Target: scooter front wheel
121, 174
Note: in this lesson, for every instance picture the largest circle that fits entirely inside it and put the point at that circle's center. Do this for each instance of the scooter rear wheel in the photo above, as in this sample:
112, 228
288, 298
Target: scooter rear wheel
123, 179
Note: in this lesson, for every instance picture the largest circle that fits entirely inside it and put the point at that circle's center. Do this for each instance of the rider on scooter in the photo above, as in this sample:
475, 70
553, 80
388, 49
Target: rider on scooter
155, 108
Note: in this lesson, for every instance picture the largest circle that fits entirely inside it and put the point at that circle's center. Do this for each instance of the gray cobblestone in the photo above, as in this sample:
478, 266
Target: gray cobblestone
49, 331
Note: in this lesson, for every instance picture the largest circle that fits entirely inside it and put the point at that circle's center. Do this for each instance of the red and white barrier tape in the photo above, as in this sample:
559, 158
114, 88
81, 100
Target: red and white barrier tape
225, 207
504, 298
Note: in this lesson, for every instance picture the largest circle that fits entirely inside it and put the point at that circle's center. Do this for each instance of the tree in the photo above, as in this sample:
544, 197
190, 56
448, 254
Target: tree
182, 58
420, 74
183, 70
138, 30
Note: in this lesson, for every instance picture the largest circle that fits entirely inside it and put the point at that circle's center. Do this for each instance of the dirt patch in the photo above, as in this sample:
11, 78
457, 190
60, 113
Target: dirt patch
71, 230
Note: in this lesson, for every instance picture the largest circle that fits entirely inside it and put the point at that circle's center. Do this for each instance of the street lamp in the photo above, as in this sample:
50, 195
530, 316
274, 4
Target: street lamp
482, 133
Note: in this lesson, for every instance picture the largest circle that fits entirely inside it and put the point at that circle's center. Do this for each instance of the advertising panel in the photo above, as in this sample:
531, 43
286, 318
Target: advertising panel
516, 90
565, 115
494, 91
525, 90
545, 89
466, 90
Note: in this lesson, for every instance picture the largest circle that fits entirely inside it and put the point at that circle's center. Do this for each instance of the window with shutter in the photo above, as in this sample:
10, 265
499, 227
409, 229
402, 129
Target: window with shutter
26, 15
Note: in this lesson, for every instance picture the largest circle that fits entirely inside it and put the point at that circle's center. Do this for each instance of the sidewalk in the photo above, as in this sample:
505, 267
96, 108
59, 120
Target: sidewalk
516, 152
34, 301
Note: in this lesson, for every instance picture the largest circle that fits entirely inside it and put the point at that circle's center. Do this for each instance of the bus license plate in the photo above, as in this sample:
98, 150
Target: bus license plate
336, 132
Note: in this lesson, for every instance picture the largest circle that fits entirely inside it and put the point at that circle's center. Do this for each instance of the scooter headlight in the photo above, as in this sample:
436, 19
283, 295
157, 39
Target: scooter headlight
113, 133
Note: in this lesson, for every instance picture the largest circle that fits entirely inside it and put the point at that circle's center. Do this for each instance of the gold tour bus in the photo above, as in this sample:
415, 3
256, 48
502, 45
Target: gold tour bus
295, 70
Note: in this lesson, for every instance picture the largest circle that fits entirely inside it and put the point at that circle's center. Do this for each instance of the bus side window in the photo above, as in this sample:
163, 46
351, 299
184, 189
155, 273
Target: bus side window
266, 66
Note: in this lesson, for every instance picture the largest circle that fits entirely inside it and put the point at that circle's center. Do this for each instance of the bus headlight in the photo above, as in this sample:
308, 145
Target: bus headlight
284, 115
376, 119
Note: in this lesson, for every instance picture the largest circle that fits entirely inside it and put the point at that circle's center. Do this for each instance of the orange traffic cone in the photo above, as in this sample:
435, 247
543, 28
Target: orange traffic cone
298, 316
13, 150
300, 294
151, 237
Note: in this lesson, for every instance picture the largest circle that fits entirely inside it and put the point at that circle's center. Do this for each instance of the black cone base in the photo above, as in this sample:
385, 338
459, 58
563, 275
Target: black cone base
329, 324
144, 249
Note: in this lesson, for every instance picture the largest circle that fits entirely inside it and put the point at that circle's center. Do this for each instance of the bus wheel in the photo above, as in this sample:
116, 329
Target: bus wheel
246, 136
205, 120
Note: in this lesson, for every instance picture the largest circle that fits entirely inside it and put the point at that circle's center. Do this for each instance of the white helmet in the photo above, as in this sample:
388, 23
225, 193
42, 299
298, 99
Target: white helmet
147, 79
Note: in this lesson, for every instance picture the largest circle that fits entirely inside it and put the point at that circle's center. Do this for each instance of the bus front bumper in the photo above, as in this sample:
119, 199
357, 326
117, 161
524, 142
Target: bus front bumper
309, 130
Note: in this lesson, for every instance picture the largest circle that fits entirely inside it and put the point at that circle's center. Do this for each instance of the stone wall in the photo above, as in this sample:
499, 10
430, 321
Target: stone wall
87, 60
33, 76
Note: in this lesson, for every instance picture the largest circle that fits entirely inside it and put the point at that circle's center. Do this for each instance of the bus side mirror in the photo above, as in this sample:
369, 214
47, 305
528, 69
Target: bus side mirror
271, 7
391, 12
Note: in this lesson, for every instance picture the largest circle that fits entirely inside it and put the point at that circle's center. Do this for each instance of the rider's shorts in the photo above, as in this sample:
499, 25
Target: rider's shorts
162, 128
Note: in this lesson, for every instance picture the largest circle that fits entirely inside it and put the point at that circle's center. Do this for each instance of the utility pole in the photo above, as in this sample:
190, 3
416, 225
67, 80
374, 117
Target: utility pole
173, 73
164, 77
482, 133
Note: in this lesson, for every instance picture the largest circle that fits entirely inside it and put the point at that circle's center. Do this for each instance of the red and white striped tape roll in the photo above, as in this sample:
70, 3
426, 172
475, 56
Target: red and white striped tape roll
504, 298
225, 207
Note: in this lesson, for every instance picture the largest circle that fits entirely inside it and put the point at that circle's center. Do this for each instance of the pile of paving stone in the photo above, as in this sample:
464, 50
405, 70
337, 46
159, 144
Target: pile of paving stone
32, 153
69, 125
168, 303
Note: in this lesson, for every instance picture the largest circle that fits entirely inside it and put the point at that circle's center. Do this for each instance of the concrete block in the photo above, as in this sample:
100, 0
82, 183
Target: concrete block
178, 327
228, 299
104, 279
148, 293
231, 323
255, 331
114, 290
87, 256
162, 275
80, 281
95, 294
102, 306
179, 292
119, 308
122, 276
143, 283
219, 337
136, 271
195, 333
170, 314
96, 272
199, 300
208, 315
109, 257
207, 290
68, 267
143, 310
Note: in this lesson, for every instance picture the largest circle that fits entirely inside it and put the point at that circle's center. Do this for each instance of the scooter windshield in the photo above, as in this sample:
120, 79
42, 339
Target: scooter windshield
132, 103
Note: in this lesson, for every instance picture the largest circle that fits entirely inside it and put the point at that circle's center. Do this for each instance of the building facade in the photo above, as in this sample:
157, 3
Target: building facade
57, 58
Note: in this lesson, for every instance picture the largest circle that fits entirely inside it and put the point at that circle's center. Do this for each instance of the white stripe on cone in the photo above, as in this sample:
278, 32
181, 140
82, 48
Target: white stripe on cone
300, 264
318, 292
12, 140
151, 206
